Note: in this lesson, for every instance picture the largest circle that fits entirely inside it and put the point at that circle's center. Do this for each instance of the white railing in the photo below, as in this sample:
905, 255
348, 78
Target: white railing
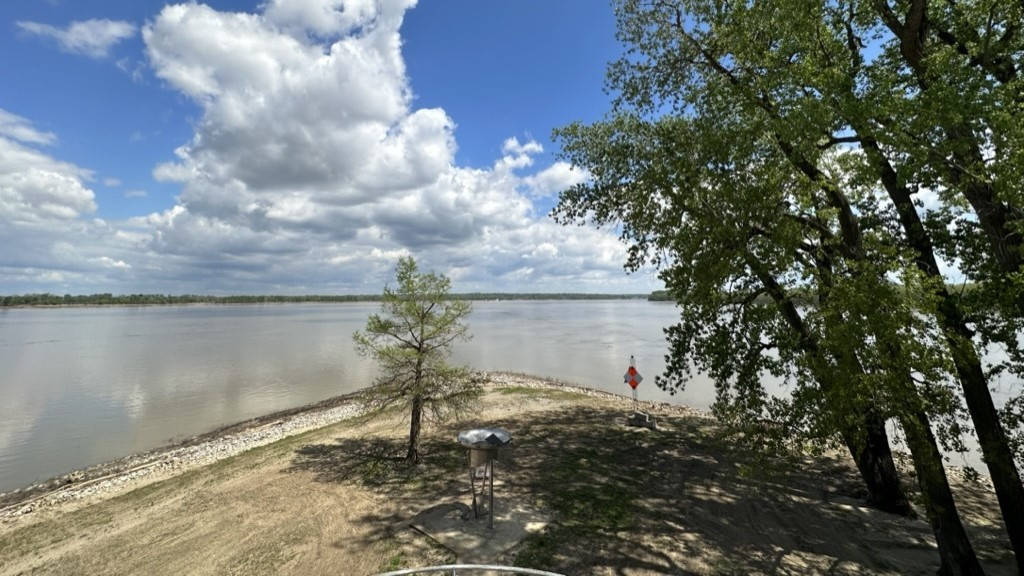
456, 569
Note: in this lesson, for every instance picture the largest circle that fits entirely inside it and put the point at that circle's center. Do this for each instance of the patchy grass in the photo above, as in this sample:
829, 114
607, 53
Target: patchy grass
676, 500
536, 392
379, 463
582, 482
52, 532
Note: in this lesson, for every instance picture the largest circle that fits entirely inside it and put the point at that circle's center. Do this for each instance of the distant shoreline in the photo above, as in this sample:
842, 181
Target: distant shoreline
47, 300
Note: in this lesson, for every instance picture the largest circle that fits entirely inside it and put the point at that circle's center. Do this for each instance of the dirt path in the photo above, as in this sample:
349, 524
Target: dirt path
626, 501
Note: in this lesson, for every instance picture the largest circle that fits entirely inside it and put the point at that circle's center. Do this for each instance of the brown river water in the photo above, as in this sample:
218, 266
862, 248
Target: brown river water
81, 386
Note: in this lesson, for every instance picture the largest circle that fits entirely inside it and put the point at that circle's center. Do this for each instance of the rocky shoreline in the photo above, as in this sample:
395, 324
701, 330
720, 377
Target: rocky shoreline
110, 478
137, 469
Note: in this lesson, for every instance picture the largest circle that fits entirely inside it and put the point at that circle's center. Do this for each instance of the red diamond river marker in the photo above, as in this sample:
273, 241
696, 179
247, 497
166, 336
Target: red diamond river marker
632, 377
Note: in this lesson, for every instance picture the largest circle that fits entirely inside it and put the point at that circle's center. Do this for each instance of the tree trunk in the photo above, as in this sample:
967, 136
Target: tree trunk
873, 456
955, 549
412, 456
998, 222
994, 445
868, 442
992, 438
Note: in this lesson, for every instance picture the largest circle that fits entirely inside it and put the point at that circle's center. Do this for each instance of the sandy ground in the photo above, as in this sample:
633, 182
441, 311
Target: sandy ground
623, 501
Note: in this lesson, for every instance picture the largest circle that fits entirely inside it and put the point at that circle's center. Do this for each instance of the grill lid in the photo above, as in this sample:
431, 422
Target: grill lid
485, 437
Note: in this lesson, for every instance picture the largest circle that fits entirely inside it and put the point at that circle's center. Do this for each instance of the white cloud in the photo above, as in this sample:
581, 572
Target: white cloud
111, 182
20, 129
310, 169
131, 67
297, 134
930, 200
516, 155
280, 111
50, 239
309, 149
35, 187
327, 17
544, 250
92, 38
512, 147
39, 193
135, 193
556, 178
108, 262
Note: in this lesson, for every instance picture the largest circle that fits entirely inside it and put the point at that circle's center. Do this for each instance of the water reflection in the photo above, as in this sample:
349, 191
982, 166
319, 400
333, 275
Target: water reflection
85, 385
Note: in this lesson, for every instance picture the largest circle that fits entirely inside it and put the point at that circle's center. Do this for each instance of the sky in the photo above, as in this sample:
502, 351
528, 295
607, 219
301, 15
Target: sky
298, 146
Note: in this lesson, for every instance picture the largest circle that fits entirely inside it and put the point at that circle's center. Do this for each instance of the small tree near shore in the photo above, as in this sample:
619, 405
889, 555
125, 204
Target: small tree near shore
411, 339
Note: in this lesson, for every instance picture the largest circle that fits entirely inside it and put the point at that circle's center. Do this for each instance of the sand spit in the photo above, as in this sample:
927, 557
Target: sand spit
612, 499
118, 476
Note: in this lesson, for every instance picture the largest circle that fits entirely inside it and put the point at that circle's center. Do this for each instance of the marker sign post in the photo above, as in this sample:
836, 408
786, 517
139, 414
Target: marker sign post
632, 377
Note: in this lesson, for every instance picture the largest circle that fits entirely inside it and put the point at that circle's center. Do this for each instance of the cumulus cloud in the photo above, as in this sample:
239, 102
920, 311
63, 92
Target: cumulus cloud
556, 178
93, 38
33, 186
327, 17
309, 170
929, 200
108, 262
512, 147
49, 235
308, 147
281, 112
303, 135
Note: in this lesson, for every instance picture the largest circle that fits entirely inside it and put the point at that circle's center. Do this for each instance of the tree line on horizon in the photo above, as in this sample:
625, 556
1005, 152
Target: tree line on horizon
107, 299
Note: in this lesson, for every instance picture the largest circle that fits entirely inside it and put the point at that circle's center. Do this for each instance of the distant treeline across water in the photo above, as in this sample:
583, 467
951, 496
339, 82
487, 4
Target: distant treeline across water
46, 299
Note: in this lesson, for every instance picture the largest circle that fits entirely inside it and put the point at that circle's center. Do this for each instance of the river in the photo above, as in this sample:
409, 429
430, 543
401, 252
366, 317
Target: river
80, 386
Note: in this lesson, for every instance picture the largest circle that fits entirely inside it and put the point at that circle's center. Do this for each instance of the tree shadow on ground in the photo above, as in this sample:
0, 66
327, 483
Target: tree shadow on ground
378, 463
676, 500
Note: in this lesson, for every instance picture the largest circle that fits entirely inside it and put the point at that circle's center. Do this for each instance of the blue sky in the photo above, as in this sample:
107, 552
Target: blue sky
297, 146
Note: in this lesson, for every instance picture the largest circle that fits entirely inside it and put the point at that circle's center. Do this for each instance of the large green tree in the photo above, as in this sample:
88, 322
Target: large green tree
715, 205
411, 340
842, 111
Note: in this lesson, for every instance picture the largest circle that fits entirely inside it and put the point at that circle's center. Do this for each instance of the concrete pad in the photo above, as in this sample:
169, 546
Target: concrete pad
455, 528
642, 420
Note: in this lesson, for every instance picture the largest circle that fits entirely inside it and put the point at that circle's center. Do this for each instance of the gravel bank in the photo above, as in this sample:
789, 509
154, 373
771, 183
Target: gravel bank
140, 469
111, 478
